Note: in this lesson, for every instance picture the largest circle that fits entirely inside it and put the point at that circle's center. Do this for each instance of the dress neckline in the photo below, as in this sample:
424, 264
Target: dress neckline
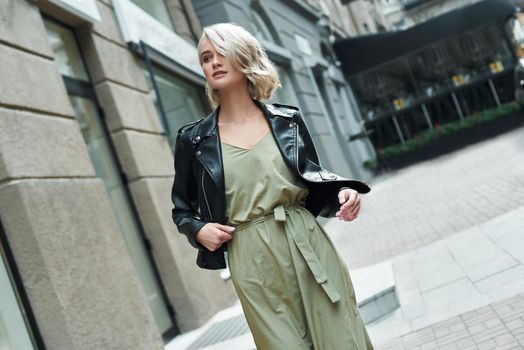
248, 149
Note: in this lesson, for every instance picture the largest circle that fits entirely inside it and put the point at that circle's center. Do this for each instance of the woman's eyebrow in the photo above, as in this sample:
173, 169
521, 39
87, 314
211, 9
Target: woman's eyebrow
207, 51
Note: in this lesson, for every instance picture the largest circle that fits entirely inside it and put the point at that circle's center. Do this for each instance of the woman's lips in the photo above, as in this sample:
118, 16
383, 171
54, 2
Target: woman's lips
218, 75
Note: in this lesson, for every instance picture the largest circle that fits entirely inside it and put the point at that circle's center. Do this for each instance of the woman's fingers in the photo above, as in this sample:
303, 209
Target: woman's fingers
352, 214
226, 228
342, 196
213, 235
352, 201
349, 209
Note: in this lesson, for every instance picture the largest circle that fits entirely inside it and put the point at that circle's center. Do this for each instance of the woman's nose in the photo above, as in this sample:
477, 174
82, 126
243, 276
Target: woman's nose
216, 62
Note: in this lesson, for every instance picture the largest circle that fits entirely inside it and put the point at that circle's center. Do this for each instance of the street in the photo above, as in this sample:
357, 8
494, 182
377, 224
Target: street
431, 200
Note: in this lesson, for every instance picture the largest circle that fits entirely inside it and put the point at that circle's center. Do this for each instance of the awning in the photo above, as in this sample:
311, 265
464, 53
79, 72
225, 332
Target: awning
359, 54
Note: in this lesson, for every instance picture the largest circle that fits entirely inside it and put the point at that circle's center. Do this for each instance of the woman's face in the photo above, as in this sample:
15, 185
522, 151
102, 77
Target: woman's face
218, 70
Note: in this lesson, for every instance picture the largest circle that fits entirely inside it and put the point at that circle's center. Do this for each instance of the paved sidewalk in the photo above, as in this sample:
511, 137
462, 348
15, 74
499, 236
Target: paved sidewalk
463, 272
434, 199
499, 326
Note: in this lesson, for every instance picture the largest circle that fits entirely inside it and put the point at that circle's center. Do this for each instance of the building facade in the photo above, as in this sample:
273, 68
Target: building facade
93, 93
441, 73
403, 14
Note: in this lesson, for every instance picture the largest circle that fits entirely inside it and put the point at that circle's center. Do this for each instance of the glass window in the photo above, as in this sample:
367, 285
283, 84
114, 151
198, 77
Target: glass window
181, 101
101, 157
156, 9
14, 333
384, 89
262, 30
430, 67
286, 93
66, 54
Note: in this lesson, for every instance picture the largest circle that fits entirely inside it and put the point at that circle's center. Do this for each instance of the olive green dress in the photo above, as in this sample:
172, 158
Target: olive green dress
295, 290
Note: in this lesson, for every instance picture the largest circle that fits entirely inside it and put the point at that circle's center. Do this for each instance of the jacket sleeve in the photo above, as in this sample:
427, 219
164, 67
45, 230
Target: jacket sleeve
184, 193
331, 204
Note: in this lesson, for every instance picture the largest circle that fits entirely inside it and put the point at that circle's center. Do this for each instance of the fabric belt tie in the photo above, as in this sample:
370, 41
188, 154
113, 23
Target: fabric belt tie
309, 256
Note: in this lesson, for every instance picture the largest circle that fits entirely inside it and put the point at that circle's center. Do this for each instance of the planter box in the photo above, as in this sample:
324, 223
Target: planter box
454, 141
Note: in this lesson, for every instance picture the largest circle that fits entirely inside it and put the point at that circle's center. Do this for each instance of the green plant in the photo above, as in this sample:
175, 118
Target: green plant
431, 135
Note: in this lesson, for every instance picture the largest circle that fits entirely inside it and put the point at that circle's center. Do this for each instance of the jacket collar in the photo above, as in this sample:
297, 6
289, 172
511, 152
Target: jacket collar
208, 125
206, 140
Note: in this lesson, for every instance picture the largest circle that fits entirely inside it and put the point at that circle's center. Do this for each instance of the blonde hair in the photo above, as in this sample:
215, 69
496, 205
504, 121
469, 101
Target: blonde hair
246, 54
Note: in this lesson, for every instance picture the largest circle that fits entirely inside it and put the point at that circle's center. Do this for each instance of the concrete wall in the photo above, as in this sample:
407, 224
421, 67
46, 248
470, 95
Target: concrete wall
185, 19
71, 254
58, 220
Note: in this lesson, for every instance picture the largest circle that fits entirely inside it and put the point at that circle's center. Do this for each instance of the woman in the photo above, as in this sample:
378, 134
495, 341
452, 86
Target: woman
248, 180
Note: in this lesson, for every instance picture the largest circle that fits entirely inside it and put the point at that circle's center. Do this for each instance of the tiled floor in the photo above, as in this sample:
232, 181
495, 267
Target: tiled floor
455, 275
499, 326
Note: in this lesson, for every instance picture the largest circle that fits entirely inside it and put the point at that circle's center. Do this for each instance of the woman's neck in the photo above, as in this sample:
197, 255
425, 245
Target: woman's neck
236, 106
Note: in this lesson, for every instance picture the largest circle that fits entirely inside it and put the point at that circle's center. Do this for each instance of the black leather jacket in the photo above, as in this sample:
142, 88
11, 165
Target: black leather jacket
198, 192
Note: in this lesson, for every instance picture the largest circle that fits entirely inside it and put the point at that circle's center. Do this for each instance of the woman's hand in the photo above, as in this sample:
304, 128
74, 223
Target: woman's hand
213, 235
349, 204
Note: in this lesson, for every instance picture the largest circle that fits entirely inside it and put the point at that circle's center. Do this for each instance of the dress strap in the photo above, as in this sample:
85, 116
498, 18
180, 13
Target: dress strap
298, 236
309, 256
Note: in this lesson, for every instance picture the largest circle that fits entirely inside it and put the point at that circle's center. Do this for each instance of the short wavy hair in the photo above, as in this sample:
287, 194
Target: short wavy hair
245, 54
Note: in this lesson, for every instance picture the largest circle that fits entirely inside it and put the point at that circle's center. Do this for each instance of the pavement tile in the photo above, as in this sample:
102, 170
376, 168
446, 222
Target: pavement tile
430, 345
489, 266
515, 325
487, 345
413, 305
492, 323
505, 339
466, 343
503, 284
453, 296
439, 275
483, 328
510, 346
452, 338
450, 346
489, 334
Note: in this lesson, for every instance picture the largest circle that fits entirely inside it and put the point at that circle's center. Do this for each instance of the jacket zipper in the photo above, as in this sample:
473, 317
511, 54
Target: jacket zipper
296, 148
205, 196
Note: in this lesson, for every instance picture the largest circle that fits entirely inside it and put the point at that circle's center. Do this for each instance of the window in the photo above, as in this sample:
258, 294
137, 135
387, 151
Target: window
262, 29
14, 331
180, 101
156, 9
81, 94
285, 94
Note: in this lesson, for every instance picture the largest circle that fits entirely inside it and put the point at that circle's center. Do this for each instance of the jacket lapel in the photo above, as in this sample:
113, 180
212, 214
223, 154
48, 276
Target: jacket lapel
208, 151
206, 140
284, 132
